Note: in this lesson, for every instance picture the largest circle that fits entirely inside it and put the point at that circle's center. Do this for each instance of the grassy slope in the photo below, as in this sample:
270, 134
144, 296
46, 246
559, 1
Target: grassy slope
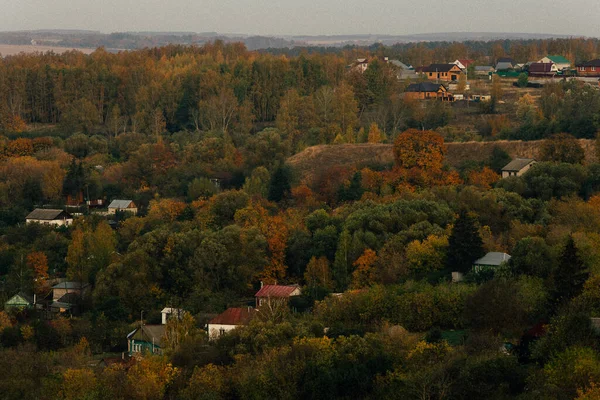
321, 158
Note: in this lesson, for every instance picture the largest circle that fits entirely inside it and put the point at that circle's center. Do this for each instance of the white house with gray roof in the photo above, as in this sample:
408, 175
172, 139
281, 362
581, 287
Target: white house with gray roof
49, 217
122, 205
490, 260
517, 167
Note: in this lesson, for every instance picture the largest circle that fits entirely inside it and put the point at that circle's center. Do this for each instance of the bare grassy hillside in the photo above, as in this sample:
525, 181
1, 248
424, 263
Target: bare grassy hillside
314, 160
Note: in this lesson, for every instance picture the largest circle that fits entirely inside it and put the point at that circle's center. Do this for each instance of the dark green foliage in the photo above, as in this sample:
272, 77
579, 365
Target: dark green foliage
498, 159
75, 179
570, 274
523, 80
532, 256
280, 186
465, 244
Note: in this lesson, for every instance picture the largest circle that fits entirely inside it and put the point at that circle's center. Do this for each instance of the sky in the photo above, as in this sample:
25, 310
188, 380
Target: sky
306, 17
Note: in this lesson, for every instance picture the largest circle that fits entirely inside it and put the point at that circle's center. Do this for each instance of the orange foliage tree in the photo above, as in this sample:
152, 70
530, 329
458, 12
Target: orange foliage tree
38, 262
419, 149
275, 230
484, 178
364, 274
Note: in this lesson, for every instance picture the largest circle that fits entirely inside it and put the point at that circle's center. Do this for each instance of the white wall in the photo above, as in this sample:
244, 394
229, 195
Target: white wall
55, 222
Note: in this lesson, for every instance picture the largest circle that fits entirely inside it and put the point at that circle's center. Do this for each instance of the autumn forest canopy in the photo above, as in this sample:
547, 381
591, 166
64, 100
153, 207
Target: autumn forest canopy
395, 301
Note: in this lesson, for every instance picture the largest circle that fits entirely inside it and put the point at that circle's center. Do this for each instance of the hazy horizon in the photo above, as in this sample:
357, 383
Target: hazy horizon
288, 18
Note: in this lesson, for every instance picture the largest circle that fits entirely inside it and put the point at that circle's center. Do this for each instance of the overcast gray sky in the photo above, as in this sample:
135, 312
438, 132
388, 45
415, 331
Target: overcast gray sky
270, 17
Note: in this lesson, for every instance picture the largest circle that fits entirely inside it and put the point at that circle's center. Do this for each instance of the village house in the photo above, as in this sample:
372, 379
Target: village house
67, 295
276, 293
427, 90
442, 72
517, 167
168, 313
561, 62
49, 217
590, 68
484, 70
543, 70
404, 71
229, 320
123, 206
463, 63
505, 63
146, 339
490, 260
19, 301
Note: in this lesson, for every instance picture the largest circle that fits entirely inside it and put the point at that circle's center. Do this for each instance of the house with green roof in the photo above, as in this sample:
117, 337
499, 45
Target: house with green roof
560, 62
19, 301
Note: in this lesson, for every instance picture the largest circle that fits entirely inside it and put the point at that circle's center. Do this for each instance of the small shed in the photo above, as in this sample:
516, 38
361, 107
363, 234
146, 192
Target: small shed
122, 205
490, 260
517, 167
147, 338
19, 301
49, 217
229, 320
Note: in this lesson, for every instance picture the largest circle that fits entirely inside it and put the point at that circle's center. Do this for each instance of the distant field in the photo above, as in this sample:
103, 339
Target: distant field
10, 49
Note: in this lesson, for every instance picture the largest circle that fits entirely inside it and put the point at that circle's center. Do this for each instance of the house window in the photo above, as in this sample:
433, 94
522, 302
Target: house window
221, 332
593, 68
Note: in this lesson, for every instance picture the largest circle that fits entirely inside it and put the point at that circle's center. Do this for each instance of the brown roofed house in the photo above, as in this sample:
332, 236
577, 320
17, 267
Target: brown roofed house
269, 293
427, 90
229, 320
543, 69
442, 72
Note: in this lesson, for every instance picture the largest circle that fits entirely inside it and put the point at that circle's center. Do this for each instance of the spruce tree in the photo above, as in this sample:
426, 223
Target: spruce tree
570, 274
280, 187
465, 244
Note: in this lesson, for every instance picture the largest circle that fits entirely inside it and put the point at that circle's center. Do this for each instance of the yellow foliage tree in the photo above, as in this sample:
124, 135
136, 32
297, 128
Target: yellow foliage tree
318, 273
375, 134
77, 384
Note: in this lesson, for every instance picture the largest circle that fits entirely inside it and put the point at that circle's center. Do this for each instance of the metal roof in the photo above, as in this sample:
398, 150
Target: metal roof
276, 291
48, 214
400, 64
504, 65
559, 60
149, 333
591, 63
493, 258
234, 316
439, 68
69, 285
424, 87
120, 204
541, 67
517, 164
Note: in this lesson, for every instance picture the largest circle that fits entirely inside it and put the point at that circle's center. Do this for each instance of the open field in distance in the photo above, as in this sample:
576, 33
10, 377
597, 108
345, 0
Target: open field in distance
12, 49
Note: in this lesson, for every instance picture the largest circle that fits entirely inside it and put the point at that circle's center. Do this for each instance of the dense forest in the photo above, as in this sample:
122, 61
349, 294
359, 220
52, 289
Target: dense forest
198, 138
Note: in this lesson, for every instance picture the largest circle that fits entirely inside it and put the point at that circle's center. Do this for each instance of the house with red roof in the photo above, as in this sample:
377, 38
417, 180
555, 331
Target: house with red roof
229, 320
269, 293
463, 63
